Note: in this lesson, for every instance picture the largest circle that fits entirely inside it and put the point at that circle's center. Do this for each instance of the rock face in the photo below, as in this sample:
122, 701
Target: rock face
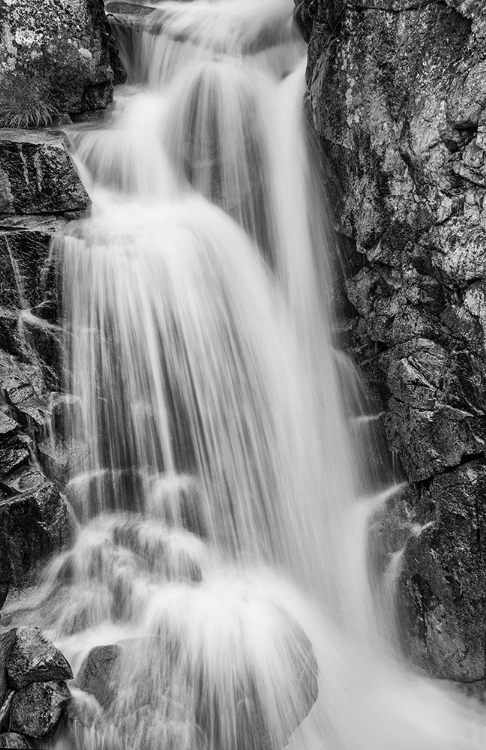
33, 695
39, 193
34, 658
56, 59
398, 96
13, 740
37, 708
37, 174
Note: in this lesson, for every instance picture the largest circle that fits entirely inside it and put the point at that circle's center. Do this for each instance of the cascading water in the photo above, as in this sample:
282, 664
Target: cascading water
222, 502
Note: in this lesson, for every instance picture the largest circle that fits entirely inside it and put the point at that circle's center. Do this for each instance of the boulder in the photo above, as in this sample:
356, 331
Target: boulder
12, 740
5, 711
33, 526
55, 60
34, 658
7, 640
37, 175
26, 259
37, 708
98, 673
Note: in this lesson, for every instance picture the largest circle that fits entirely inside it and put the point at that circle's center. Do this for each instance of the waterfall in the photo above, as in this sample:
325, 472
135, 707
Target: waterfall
224, 490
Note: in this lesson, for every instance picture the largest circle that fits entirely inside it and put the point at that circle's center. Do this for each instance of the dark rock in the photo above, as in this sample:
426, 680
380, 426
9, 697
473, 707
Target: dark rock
38, 175
67, 50
7, 640
398, 97
13, 740
4, 588
34, 658
25, 254
103, 673
15, 446
44, 343
37, 708
25, 479
441, 585
60, 458
33, 526
5, 710
128, 14
98, 673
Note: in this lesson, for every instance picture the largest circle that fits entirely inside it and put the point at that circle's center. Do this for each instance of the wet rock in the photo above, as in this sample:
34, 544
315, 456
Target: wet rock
441, 585
33, 526
4, 588
15, 446
66, 49
98, 673
398, 97
128, 15
103, 674
177, 499
5, 711
7, 640
13, 740
149, 729
26, 261
34, 658
37, 708
60, 458
38, 175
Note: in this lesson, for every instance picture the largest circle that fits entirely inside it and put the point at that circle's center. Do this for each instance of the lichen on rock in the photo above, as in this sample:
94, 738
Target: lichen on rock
56, 58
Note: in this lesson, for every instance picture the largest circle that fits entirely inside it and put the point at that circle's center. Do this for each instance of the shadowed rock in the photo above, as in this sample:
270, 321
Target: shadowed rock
37, 175
37, 708
406, 141
34, 658
7, 640
14, 741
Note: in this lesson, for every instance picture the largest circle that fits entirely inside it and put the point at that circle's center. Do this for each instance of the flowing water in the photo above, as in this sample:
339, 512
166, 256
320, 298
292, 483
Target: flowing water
225, 492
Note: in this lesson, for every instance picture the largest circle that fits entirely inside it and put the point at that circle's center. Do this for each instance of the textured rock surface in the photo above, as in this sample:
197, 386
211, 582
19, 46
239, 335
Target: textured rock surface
37, 175
98, 673
39, 193
34, 658
5, 711
13, 740
56, 58
7, 640
37, 708
398, 95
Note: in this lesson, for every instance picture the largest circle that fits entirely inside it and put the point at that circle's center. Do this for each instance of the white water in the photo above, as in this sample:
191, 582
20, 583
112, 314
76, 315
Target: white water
225, 497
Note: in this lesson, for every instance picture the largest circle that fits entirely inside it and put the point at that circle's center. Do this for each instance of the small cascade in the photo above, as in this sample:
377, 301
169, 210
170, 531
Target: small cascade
219, 592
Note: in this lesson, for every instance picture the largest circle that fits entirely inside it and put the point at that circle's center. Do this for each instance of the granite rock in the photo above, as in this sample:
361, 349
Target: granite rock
398, 97
37, 708
34, 658
55, 59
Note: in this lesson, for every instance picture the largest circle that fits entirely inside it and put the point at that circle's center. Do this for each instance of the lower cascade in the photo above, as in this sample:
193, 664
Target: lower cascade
219, 594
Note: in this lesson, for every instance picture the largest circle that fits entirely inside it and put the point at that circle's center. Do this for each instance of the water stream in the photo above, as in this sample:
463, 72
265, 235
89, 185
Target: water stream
225, 491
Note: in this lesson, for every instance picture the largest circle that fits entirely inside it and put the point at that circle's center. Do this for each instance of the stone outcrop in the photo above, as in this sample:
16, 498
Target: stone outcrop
34, 521
37, 175
33, 694
40, 192
12, 740
37, 708
33, 658
58, 60
398, 96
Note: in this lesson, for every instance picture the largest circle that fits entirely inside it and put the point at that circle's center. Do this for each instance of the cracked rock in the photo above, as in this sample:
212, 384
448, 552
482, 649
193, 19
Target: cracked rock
37, 708
34, 658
